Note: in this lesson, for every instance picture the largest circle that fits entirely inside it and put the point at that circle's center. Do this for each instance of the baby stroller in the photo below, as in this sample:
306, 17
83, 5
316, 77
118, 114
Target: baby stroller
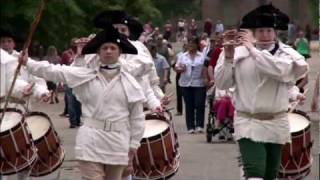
221, 113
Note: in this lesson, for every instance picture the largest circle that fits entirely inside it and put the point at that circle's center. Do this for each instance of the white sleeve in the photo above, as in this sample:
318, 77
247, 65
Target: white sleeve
137, 66
19, 85
152, 101
155, 82
73, 76
137, 120
40, 86
46, 70
284, 69
39, 90
224, 73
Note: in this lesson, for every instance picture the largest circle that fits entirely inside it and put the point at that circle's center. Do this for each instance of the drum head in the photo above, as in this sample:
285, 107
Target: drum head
10, 120
297, 122
154, 127
38, 125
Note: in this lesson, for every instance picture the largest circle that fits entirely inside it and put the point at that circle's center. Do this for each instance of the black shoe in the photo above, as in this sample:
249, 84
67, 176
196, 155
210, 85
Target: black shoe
79, 124
222, 138
72, 126
56, 99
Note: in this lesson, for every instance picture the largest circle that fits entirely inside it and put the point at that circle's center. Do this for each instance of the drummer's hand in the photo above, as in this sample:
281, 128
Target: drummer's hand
27, 90
45, 97
301, 98
23, 59
158, 109
165, 100
129, 169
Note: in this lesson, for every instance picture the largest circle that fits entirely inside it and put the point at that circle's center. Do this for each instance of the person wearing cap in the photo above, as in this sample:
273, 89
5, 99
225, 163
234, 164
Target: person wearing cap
262, 70
111, 106
8, 44
138, 65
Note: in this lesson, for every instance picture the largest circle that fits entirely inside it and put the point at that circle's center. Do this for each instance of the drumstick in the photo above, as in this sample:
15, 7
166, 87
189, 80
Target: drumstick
297, 102
169, 95
24, 50
28, 101
169, 109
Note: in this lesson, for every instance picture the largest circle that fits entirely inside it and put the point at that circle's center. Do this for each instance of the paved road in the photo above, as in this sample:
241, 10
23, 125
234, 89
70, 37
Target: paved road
200, 160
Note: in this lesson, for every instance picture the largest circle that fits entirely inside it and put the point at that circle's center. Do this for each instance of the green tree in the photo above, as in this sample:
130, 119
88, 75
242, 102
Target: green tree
65, 19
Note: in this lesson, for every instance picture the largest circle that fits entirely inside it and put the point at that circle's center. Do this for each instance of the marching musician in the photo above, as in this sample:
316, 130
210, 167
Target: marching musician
22, 88
8, 44
22, 91
141, 65
262, 70
30, 87
130, 27
111, 104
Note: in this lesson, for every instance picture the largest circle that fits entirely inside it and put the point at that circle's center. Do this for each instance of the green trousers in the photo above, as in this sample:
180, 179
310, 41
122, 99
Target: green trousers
260, 160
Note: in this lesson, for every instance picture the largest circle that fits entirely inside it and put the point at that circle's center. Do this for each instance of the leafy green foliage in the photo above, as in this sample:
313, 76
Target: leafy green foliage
64, 19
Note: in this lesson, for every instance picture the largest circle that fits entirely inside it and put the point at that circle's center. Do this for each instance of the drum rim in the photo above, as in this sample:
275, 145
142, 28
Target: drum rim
302, 113
37, 113
155, 116
6, 132
149, 113
297, 133
155, 137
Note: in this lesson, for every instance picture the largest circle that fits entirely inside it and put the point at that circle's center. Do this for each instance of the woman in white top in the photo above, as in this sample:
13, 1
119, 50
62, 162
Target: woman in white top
191, 81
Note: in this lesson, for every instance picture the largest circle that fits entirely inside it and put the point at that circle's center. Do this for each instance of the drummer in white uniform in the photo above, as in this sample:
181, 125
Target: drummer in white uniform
262, 72
111, 105
130, 27
22, 91
8, 43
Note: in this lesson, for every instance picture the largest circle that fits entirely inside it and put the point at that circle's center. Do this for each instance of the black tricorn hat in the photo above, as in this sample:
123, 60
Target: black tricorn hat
105, 18
109, 34
6, 33
265, 16
17, 37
